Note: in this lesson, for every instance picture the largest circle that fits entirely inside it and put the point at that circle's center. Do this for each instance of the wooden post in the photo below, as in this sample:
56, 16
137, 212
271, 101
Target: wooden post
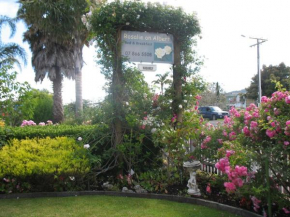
118, 83
177, 82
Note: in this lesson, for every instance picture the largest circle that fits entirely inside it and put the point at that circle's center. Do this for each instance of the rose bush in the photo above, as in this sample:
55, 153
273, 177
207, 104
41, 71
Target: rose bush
252, 149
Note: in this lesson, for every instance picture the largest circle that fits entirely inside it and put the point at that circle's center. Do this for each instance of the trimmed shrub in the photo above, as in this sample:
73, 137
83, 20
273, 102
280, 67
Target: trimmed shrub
51, 131
43, 165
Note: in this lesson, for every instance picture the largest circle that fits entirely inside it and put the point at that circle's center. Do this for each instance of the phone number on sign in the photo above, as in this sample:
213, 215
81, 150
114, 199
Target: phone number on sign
142, 54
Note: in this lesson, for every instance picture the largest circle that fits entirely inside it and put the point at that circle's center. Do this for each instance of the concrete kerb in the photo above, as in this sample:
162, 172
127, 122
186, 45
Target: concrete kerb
191, 200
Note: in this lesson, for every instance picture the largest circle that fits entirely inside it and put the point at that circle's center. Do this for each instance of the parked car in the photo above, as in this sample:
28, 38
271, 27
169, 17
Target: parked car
212, 112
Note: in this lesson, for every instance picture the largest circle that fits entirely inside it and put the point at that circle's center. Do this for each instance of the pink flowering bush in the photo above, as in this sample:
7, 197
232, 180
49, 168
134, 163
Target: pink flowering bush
250, 143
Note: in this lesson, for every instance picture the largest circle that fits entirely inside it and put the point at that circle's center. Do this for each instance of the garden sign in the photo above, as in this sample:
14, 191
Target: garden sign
147, 47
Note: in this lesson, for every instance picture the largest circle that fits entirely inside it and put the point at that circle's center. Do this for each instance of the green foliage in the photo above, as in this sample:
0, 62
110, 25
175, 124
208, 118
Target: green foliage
10, 52
42, 162
43, 103
213, 94
90, 112
279, 73
15, 102
52, 131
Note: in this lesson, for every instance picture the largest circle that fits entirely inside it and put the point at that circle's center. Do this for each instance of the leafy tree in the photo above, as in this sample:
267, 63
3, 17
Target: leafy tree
213, 96
57, 35
162, 80
15, 104
107, 24
43, 105
10, 52
268, 75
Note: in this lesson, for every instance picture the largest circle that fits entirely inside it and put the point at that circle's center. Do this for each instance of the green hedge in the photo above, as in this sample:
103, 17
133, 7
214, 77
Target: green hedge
52, 131
45, 164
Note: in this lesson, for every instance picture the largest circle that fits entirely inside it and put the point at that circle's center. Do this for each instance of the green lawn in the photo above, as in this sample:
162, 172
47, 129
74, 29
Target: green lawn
103, 206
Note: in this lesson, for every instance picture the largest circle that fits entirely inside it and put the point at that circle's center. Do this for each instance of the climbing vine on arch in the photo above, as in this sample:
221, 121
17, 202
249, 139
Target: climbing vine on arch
110, 19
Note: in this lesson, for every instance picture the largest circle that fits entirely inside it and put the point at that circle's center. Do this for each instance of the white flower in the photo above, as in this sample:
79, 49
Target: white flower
127, 24
167, 50
80, 138
100, 24
145, 95
159, 52
138, 16
180, 106
84, 19
72, 178
86, 146
132, 172
185, 101
126, 103
153, 130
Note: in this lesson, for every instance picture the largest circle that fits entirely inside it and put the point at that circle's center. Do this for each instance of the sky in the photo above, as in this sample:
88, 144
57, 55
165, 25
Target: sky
228, 57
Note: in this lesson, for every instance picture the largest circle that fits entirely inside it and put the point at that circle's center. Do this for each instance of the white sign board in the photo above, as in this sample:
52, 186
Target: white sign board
147, 47
147, 67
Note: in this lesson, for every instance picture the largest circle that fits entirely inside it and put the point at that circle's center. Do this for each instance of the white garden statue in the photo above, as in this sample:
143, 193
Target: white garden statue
192, 185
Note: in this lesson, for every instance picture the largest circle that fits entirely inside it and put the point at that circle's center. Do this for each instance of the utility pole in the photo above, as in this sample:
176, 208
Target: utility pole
259, 41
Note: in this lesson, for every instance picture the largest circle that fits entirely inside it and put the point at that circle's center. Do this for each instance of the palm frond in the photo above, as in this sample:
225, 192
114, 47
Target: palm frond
11, 23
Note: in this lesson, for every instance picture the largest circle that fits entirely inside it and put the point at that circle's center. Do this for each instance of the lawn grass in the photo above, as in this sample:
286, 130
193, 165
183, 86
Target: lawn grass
106, 206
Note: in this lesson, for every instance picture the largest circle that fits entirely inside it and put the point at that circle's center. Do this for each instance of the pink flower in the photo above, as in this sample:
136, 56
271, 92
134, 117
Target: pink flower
220, 141
287, 99
229, 153
155, 97
286, 143
238, 182
246, 131
254, 124
232, 135
288, 123
241, 170
173, 119
225, 133
264, 99
208, 189
222, 164
230, 187
41, 124
270, 133
255, 203
197, 97
286, 210
207, 139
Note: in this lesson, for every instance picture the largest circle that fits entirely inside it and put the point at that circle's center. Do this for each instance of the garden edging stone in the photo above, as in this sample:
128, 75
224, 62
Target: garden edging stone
181, 199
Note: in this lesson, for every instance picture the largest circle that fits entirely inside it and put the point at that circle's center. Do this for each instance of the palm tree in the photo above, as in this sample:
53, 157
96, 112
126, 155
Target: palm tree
52, 60
162, 79
60, 24
10, 53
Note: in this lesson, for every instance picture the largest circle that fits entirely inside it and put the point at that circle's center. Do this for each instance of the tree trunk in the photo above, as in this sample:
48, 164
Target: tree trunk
117, 87
177, 82
78, 79
58, 115
79, 94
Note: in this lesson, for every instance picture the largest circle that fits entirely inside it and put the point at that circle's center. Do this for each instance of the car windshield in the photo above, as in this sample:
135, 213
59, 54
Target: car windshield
216, 109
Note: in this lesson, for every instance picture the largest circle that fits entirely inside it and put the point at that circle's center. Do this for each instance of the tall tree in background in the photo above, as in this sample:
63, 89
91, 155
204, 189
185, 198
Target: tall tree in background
10, 53
162, 80
217, 91
59, 23
210, 96
52, 60
269, 74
